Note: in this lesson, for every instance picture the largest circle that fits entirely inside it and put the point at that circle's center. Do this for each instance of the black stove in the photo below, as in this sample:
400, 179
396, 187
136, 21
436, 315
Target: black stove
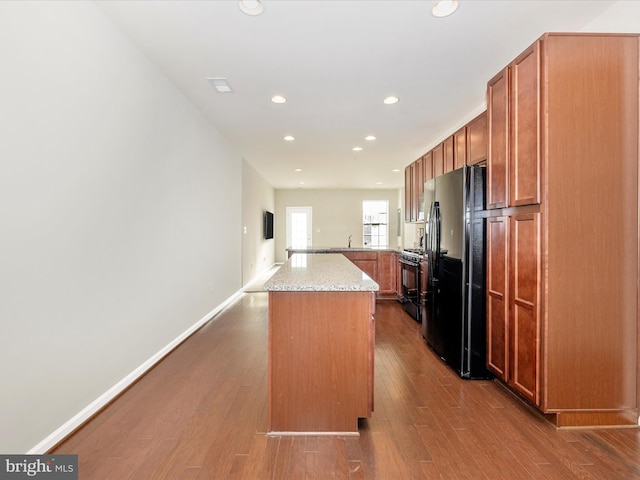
410, 259
413, 255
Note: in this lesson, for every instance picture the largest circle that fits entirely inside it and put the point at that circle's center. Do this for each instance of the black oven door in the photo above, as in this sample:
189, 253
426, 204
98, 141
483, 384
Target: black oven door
410, 287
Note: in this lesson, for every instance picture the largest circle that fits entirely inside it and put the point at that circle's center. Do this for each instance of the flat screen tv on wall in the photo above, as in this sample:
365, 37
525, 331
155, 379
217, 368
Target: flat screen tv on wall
268, 225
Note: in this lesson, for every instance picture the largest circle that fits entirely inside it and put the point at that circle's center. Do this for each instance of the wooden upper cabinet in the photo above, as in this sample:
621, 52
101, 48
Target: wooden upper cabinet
447, 149
524, 168
513, 115
498, 148
413, 189
420, 174
427, 167
438, 161
460, 148
477, 139
414, 192
407, 193
418, 182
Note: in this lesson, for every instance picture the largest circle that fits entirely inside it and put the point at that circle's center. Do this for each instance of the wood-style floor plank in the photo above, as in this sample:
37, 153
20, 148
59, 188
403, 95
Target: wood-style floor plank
201, 413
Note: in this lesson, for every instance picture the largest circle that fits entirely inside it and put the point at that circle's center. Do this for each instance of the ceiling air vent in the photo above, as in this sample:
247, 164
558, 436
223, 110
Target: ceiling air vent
220, 84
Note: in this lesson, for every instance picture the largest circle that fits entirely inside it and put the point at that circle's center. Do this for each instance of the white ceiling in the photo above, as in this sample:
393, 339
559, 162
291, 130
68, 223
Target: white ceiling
336, 61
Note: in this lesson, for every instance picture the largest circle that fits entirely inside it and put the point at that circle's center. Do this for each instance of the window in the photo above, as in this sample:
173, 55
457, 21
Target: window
375, 223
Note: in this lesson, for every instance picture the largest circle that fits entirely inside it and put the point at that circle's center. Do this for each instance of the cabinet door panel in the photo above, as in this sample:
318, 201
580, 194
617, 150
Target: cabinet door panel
407, 193
497, 302
460, 148
498, 151
525, 299
370, 267
414, 191
477, 139
447, 152
427, 167
386, 273
525, 132
438, 161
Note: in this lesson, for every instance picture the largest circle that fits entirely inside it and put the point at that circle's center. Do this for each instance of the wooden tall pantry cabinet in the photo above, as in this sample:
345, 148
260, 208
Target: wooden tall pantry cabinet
562, 232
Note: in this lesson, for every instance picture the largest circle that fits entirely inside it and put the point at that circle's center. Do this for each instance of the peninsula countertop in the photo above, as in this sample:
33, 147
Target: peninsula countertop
320, 249
322, 273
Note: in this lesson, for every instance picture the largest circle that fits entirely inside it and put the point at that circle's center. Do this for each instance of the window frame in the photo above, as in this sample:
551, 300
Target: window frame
368, 220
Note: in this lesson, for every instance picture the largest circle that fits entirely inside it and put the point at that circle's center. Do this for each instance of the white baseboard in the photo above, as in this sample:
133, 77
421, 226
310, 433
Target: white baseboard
86, 413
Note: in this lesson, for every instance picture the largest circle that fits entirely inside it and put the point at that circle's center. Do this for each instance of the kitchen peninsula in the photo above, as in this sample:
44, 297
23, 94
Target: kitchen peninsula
380, 263
321, 345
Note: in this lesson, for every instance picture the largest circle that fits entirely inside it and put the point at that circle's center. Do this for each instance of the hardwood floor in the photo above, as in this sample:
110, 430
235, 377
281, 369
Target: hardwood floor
202, 414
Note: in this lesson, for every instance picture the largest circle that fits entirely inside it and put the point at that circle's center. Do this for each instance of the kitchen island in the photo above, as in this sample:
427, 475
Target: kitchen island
321, 346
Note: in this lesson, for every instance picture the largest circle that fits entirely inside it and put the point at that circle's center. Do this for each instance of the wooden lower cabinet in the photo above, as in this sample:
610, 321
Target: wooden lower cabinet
398, 275
387, 265
497, 299
365, 261
546, 340
513, 299
381, 266
524, 301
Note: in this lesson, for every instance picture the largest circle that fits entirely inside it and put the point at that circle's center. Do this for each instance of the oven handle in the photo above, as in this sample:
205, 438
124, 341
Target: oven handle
411, 264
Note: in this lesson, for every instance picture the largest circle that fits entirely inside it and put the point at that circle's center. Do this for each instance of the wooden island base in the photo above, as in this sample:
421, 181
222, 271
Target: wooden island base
321, 345
321, 353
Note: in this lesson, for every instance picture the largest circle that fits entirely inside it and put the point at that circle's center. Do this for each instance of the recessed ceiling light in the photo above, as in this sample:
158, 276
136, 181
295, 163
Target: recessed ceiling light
251, 7
370, 137
220, 84
391, 100
378, 183
278, 99
289, 138
301, 183
395, 170
297, 170
357, 149
444, 8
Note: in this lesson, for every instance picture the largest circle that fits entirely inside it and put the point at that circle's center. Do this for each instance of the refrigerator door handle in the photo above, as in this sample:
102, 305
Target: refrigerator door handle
436, 238
431, 244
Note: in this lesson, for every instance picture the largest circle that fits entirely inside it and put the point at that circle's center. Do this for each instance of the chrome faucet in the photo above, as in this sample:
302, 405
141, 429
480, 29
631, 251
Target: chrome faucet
350, 241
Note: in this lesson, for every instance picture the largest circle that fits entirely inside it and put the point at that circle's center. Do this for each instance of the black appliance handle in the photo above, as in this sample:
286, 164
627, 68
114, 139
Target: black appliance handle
409, 262
427, 247
437, 222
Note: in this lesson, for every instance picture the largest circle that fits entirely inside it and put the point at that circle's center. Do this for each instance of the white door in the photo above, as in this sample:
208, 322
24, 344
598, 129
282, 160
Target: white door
298, 227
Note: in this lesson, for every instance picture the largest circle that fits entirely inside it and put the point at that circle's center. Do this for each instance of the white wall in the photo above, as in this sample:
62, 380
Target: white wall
120, 212
257, 196
336, 215
622, 17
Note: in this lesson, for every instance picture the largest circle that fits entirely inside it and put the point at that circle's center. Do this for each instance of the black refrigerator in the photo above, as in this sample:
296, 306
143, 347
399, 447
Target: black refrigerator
453, 301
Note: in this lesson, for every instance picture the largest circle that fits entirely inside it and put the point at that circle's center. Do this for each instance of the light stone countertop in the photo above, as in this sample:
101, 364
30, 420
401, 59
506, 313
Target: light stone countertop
324, 272
313, 249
